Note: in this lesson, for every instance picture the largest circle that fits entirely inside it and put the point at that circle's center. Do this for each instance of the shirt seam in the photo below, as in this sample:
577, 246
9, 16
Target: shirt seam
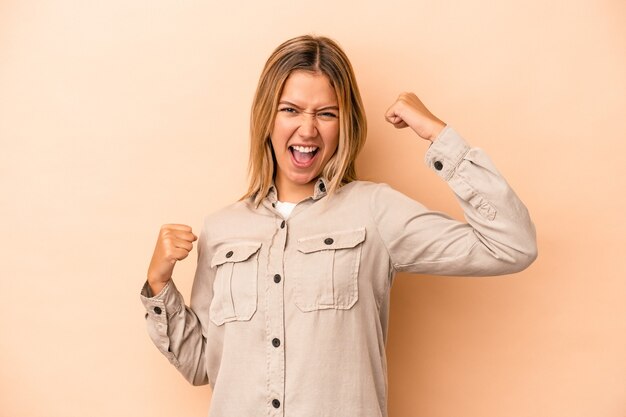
388, 280
458, 162
376, 226
440, 260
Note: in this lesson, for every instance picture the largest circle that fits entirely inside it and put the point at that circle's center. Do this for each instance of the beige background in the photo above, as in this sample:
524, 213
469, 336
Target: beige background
119, 116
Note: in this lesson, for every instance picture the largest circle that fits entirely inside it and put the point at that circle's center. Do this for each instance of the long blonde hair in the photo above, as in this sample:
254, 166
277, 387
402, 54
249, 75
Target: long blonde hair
316, 54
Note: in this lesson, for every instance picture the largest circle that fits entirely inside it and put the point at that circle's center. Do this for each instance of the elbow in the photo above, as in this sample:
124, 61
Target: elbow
199, 381
194, 375
199, 377
530, 257
524, 258
526, 252
196, 379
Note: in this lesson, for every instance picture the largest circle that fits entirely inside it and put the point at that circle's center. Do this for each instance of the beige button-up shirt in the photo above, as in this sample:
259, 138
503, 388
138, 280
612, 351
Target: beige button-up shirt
289, 317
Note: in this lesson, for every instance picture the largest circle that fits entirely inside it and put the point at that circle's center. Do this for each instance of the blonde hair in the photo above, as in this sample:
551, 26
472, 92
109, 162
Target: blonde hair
315, 54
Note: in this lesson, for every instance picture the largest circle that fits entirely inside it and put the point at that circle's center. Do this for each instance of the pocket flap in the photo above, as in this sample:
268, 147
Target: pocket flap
332, 240
235, 253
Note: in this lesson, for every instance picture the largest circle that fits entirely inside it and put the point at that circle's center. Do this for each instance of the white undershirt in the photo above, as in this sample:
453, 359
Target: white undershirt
285, 208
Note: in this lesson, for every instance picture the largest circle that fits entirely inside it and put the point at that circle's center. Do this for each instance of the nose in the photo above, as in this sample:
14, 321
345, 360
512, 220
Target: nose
307, 127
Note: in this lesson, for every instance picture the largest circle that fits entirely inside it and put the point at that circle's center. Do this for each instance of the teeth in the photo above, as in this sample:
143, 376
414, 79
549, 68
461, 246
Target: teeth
305, 149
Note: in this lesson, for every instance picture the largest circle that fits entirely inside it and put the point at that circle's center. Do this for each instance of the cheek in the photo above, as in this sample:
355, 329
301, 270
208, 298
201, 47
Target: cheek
331, 139
281, 132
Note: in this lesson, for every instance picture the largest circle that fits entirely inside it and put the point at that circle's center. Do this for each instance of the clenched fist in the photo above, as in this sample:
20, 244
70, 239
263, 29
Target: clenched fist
409, 111
174, 243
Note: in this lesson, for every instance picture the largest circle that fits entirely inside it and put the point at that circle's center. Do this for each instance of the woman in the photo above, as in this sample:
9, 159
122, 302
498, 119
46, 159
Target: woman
290, 301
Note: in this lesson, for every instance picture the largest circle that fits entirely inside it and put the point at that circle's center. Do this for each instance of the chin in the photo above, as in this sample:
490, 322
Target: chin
304, 180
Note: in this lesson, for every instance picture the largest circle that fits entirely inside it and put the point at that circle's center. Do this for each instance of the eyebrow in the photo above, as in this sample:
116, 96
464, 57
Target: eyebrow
300, 108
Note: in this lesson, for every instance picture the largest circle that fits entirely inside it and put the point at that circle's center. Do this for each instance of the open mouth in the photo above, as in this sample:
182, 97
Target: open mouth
303, 156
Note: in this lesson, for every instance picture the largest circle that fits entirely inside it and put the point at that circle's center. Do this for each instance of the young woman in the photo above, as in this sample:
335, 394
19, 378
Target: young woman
290, 300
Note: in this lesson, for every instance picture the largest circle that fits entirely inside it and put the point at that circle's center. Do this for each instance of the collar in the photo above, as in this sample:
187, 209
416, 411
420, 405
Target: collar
319, 190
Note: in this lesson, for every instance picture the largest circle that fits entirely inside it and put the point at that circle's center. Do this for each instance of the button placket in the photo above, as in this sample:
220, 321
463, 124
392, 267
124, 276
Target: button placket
275, 320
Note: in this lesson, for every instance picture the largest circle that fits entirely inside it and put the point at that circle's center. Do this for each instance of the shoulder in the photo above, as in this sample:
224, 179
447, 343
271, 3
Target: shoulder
363, 194
227, 215
363, 188
382, 197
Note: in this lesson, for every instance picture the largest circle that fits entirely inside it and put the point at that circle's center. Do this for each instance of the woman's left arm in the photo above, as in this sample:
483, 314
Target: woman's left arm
499, 236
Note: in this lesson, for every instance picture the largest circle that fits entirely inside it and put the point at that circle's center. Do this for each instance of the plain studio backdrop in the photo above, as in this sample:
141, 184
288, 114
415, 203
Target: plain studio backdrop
119, 116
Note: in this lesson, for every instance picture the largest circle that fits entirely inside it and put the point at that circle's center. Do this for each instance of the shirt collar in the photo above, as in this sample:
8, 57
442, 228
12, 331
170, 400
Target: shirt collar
319, 190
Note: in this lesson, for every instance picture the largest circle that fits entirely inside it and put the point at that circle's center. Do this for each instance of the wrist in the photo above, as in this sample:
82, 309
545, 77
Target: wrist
439, 126
156, 286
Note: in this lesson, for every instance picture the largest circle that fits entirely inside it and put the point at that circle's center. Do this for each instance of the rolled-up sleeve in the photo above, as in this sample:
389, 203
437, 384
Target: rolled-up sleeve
498, 238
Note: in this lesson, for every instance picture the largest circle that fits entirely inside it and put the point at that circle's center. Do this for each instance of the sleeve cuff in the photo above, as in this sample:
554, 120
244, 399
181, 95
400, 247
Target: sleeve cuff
446, 152
163, 305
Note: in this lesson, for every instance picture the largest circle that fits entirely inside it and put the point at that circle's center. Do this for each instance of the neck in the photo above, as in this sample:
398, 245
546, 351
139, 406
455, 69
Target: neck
293, 193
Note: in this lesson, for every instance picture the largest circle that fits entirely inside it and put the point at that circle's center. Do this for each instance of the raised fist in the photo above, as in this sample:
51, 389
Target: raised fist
174, 243
409, 111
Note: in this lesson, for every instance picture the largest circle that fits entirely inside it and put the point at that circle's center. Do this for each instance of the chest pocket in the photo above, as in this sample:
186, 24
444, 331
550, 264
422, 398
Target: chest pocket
235, 284
327, 269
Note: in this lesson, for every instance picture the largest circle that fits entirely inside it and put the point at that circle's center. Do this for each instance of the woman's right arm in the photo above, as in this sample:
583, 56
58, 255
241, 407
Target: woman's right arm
173, 327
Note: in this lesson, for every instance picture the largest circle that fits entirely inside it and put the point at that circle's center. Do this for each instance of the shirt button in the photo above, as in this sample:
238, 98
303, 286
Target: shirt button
438, 165
273, 204
328, 241
282, 224
275, 403
229, 253
275, 342
322, 187
277, 278
157, 310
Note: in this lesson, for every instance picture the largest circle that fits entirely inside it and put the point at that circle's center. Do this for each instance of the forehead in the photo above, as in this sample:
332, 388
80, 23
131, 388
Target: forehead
311, 88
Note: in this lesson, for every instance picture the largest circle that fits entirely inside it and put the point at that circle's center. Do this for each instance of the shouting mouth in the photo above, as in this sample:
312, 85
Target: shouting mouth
303, 156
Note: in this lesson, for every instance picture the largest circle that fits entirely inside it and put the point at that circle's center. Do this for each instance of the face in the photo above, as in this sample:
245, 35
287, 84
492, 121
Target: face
306, 131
